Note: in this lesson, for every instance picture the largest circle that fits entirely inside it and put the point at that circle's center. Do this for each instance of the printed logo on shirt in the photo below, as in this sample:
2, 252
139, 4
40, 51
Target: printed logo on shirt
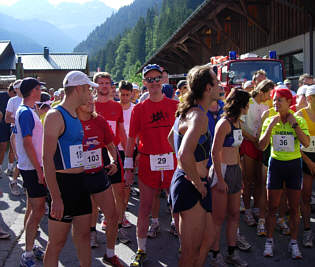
91, 142
159, 116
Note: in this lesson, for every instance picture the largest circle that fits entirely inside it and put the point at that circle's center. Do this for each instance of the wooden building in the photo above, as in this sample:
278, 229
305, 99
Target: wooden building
218, 26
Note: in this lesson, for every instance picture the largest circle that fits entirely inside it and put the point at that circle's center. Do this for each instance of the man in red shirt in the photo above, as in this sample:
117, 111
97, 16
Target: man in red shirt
113, 113
151, 122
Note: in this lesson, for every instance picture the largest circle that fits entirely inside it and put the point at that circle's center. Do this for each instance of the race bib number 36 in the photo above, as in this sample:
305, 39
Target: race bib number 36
76, 156
283, 143
163, 162
311, 147
92, 159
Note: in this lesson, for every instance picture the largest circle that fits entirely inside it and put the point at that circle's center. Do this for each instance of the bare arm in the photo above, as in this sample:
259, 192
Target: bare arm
303, 138
122, 134
170, 138
8, 117
264, 140
112, 154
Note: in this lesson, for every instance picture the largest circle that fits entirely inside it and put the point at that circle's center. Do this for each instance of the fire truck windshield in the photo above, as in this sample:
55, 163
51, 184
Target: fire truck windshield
241, 71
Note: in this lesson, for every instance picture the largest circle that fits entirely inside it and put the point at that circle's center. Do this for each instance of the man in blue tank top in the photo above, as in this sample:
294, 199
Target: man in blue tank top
64, 172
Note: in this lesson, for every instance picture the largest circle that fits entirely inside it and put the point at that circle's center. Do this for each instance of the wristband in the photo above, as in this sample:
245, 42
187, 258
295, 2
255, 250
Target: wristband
128, 164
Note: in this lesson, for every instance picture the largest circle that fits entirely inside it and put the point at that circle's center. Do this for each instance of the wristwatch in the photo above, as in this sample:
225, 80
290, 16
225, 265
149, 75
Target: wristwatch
294, 125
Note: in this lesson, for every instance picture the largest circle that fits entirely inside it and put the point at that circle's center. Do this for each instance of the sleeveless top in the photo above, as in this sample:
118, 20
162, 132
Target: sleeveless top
203, 148
310, 123
69, 152
234, 138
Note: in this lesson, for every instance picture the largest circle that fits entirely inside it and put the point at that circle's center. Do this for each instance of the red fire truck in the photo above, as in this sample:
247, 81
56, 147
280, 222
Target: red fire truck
234, 70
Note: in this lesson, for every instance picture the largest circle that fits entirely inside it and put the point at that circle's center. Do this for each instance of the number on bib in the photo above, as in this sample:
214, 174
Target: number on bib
93, 159
76, 156
163, 162
311, 147
283, 143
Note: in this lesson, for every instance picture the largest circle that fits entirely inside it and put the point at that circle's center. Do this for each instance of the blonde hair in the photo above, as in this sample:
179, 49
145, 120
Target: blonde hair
105, 75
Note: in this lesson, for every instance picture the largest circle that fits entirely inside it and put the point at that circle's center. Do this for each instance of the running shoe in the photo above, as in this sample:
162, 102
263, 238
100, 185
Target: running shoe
261, 229
112, 261
154, 229
242, 243
218, 261
173, 229
268, 252
308, 238
283, 227
9, 172
126, 223
38, 252
93, 241
15, 190
235, 259
138, 259
249, 219
295, 251
123, 236
4, 235
104, 224
27, 261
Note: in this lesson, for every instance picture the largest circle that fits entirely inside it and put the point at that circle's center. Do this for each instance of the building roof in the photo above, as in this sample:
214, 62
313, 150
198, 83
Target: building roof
54, 61
3, 46
7, 56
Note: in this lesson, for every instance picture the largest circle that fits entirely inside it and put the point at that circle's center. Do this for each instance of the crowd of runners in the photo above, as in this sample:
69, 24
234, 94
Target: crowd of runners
81, 151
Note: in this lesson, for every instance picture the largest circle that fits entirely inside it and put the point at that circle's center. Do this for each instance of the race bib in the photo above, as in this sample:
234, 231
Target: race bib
112, 125
311, 147
93, 159
76, 156
283, 143
238, 137
163, 162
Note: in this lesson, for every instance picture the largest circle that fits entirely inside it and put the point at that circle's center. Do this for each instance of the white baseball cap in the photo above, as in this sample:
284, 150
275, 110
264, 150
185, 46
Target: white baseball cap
135, 86
310, 90
281, 86
302, 90
248, 84
75, 78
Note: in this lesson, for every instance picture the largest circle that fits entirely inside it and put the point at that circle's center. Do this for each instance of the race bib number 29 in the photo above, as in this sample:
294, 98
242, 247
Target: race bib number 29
76, 156
163, 162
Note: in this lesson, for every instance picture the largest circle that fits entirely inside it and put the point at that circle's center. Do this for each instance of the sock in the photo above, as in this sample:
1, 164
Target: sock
119, 225
28, 254
10, 166
155, 220
270, 239
142, 243
92, 229
173, 221
231, 249
307, 229
110, 252
215, 253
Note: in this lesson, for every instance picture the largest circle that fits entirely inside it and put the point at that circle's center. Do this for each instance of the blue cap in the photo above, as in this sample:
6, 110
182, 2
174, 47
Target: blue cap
167, 90
150, 67
28, 84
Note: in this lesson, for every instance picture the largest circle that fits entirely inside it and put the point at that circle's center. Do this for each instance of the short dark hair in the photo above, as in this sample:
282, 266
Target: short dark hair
125, 85
165, 70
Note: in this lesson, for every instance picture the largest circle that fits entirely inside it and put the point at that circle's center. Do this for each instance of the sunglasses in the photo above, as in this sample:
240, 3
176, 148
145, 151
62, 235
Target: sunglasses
151, 80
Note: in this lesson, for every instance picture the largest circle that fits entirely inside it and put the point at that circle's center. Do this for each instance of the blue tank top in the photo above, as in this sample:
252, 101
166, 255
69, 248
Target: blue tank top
234, 138
203, 148
69, 152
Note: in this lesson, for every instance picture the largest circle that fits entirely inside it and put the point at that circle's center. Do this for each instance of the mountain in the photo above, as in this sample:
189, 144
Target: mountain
39, 31
125, 18
74, 19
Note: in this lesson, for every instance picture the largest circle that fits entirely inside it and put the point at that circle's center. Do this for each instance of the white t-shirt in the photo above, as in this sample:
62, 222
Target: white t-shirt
127, 117
27, 123
13, 105
252, 120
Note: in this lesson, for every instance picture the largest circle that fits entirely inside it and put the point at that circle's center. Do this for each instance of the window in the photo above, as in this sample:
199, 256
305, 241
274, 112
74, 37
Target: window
293, 63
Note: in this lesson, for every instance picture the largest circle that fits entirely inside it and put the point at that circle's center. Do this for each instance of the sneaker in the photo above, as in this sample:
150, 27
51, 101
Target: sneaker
235, 260
261, 229
295, 251
112, 261
242, 243
138, 259
38, 252
15, 190
173, 229
126, 223
249, 219
9, 172
104, 224
123, 236
93, 241
268, 252
27, 261
4, 235
283, 227
154, 229
308, 238
218, 261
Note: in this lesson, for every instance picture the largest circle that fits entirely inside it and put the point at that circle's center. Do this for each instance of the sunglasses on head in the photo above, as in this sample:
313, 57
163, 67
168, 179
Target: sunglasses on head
151, 80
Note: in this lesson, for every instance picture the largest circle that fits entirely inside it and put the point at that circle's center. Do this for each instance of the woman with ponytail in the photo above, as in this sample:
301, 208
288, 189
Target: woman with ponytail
190, 194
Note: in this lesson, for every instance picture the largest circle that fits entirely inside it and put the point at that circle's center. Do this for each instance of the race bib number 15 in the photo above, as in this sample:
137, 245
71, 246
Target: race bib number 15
76, 156
163, 162
311, 147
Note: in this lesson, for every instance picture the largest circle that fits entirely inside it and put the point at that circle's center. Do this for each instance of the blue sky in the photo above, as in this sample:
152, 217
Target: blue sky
112, 3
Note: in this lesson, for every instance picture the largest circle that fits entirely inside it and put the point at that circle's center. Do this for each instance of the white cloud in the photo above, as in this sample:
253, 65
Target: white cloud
8, 3
112, 3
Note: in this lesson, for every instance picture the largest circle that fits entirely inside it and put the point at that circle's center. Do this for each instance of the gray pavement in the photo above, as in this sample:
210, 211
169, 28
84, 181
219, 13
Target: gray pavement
162, 251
